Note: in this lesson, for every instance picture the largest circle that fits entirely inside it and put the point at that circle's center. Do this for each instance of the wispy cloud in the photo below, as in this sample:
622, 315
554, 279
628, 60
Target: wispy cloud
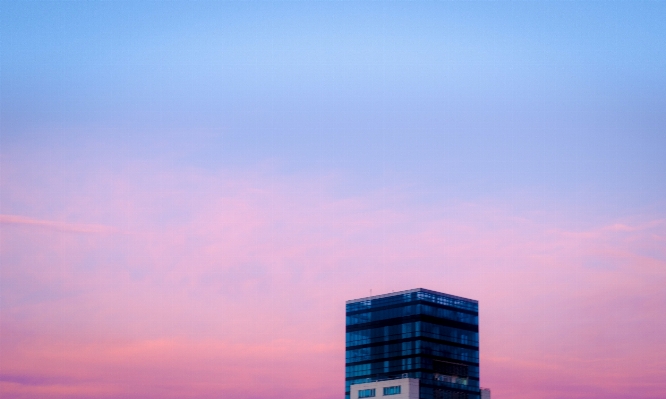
56, 225
234, 285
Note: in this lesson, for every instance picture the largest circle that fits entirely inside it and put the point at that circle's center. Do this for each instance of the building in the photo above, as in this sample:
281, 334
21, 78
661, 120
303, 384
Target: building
412, 344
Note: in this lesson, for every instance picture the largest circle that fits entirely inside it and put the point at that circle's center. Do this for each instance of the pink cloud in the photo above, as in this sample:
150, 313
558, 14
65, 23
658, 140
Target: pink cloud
197, 284
56, 225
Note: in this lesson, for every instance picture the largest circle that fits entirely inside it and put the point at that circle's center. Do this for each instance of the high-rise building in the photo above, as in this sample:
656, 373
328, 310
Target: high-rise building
412, 344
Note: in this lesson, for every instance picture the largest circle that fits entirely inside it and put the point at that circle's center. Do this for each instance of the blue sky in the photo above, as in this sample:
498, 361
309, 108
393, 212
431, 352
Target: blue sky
523, 93
455, 99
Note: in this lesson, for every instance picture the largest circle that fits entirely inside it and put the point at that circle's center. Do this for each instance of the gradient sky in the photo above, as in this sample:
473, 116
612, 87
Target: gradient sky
189, 191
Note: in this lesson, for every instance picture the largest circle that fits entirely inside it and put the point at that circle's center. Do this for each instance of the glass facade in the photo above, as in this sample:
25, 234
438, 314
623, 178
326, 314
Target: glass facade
417, 334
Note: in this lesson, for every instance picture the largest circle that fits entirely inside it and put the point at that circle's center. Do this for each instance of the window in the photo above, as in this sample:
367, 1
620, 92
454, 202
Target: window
366, 393
446, 394
392, 390
448, 368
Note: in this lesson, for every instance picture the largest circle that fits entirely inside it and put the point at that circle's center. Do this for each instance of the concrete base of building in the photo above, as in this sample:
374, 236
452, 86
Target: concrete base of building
386, 389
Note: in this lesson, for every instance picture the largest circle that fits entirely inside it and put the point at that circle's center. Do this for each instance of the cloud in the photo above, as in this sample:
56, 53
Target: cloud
200, 284
56, 225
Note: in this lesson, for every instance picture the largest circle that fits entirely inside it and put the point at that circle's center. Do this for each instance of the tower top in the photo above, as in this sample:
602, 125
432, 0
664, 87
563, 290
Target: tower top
421, 293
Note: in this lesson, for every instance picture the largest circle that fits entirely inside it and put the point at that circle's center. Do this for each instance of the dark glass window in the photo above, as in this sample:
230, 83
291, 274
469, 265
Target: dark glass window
392, 390
366, 393
448, 368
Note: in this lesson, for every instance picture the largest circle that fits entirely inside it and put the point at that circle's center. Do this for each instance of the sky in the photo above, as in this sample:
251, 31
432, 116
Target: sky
189, 191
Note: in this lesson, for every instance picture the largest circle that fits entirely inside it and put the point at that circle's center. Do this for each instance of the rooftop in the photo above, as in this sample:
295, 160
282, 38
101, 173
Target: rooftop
370, 298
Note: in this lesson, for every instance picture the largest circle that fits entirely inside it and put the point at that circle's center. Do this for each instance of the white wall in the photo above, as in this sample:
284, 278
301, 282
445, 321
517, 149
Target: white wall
409, 388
